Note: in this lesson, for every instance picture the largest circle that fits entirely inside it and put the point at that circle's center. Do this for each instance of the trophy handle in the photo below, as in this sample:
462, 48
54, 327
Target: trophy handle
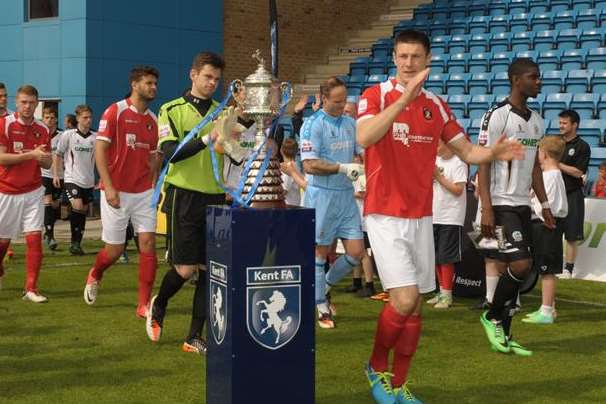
286, 93
236, 88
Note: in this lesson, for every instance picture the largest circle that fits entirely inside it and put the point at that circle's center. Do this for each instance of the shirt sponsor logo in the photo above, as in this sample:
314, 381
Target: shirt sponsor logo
400, 132
306, 146
164, 131
347, 145
102, 125
131, 140
363, 106
483, 138
528, 142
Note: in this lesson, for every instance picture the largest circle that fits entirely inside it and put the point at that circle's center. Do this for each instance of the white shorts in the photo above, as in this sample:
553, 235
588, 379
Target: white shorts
403, 250
136, 207
21, 213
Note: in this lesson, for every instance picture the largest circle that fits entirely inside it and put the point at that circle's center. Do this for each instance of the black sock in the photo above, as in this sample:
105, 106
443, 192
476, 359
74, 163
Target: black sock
506, 291
370, 286
171, 283
357, 283
77, 221
569, 266
49, 220
508, 312
198, 316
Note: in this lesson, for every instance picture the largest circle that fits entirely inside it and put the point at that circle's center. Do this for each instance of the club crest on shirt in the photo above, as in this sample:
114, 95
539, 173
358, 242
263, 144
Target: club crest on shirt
18, 147
571, 152
427, 113
149, 126
400, 132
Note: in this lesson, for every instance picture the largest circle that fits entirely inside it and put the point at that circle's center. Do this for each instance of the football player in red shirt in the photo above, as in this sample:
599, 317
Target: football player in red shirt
125, 153
399, 125
24, 148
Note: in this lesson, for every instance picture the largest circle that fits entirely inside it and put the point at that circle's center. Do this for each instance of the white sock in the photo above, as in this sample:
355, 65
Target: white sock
546, 310
447, 293
518, 301
323, 307
491, 286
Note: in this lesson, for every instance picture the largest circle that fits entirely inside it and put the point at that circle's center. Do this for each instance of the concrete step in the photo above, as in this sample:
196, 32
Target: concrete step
331, 69
345, 58
374, 33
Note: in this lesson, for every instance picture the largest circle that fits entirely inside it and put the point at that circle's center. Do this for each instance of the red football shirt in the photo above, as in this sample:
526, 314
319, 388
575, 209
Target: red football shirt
399, 167
132, 137
19, 138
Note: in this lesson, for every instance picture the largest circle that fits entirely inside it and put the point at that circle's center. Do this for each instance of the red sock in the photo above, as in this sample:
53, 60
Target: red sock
390, 325
406, 346
439, 274
148, 263
447, 277
102, 262
3, 249
33, 260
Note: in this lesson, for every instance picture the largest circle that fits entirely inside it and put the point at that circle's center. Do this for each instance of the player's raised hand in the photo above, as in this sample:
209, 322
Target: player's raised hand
505, 149
351, 170
300, 105
414, 86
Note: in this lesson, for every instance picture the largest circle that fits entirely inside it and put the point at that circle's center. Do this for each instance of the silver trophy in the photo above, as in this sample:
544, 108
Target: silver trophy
263, 95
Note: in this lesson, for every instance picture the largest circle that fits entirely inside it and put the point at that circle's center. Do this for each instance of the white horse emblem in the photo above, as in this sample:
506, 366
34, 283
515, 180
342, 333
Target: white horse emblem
277, 303
219, 320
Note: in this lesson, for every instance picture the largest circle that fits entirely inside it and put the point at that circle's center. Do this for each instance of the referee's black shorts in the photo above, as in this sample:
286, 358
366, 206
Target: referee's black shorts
573, 223
186, 224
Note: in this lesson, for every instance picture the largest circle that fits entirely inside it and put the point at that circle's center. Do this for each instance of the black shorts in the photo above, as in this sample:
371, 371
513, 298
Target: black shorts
49, 188
75, 192
517, 230
366, 241
447, 243
573, 223
186, 224
547, 249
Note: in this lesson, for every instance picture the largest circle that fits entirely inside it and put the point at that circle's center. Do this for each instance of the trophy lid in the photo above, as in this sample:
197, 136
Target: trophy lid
261, 75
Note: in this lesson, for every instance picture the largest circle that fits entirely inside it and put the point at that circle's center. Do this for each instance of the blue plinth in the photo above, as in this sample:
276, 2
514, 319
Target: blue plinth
261, 306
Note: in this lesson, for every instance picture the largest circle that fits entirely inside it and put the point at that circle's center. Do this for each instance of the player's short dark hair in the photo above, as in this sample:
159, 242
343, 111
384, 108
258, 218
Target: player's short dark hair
2, 86
28, 89
49, 110
520, 66
413, 36
289, 148
137, 73
329, 84
71, 119
83, 108
207, 58
602, 165
572, 115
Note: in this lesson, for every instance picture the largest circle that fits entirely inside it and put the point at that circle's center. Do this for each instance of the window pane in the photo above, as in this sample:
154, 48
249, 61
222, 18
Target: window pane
43, 9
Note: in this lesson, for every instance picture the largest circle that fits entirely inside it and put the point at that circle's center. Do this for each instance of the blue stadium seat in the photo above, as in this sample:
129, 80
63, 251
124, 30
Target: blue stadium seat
573, 59
479, 104
541, 22
376, 78
556, 103
536, 103
438, 27
522, 41
538, 6
499, 23
592, 128
500, 83
458, 104
458, 44
435, 82
464, 124
518, 23
479, 43
497, 7
459, 26
596, 59
458, 11
549, 60
378, 65
579, 5
457, 83
392, 71
500, 62
477, 8
358, 66
344, 78
591, 39
474, 128
357, 78
479, 62
544, 40
439, 44
598, 154
352, 91
422, 13
479, 25
458, 63
588, 19
438, 63
500, 42
564, 20
517, 7
559, 5
383, 48
586, 104
568, 39
552, 127
479, 83
440, 13
553, 81
601, 107
527, 54
598, 82
578, 81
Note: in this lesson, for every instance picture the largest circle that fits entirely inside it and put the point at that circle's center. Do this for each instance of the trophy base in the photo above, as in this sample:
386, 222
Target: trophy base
268, 205
269, 194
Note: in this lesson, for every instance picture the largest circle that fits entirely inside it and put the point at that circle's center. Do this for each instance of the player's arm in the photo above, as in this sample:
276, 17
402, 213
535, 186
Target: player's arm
371, 130
290, 169
580, 169
38, 154
502, 149
455, 188
539, 190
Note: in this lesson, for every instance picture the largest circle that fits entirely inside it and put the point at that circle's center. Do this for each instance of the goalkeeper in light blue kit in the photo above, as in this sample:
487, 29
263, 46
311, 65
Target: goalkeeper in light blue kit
330, 160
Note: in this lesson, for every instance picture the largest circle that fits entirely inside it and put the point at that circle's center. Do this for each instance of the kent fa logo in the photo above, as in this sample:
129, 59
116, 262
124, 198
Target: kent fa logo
273, 304
218, 301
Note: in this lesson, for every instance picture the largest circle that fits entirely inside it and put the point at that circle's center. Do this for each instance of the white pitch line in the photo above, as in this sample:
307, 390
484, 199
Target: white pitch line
583, 302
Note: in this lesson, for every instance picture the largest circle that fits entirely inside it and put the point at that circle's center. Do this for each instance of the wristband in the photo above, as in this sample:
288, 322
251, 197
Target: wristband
545, 205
